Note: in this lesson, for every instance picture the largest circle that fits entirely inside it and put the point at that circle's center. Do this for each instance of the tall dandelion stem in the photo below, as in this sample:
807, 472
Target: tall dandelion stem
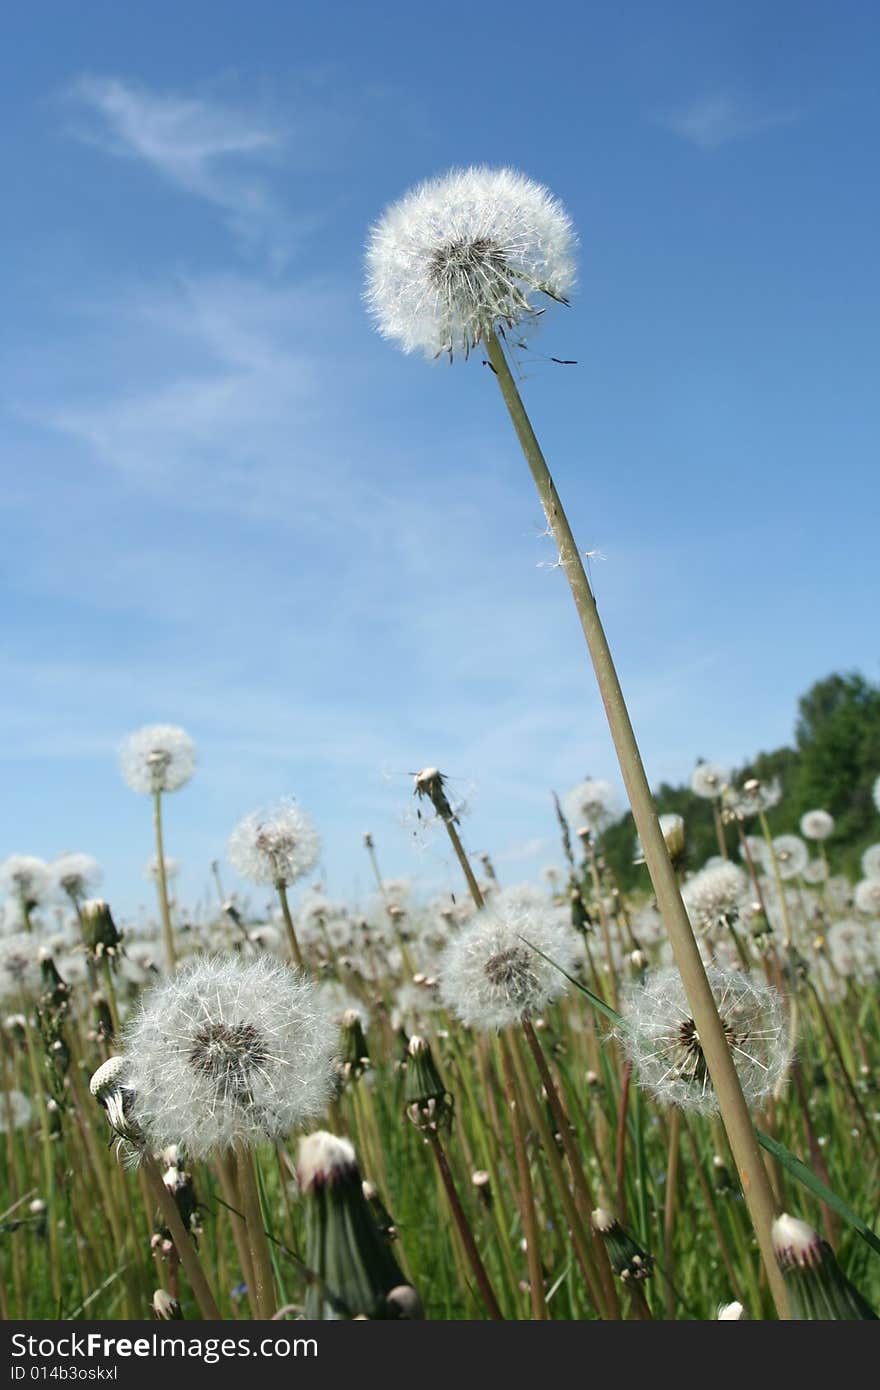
734, 1111
292, 942
264, 1278
162, 883
182, 1240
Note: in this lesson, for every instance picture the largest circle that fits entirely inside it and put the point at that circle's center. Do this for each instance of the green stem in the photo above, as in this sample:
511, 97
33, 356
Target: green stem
734, 1111
162, 880
292, 942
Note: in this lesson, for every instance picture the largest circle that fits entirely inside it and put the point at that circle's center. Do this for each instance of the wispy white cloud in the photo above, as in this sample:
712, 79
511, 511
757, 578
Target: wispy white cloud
719, 118
211, 151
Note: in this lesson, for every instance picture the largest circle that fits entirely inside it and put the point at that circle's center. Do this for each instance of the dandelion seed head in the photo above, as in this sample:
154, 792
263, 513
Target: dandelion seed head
792, 856
713, 896
871, 862
20, 975
490, 976
15, 1111
323, 1158
25, 876
157, 758
592, 803
77, 875
229, 1051
867, 896
661, 1039
731, 1312
276, 846
463, 254
708, 780
817, 825
876, 793
753, 798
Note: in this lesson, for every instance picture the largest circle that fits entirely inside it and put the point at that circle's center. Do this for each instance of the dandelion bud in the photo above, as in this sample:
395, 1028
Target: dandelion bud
356, 1271
166, 1308
354, 1054
428, 1103
731, 1312
817, 1287
99, 929
628, 1260
482, 1184
431, 783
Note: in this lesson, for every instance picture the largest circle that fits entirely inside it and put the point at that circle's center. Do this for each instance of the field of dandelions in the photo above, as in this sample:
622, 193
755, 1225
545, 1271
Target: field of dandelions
554, 1100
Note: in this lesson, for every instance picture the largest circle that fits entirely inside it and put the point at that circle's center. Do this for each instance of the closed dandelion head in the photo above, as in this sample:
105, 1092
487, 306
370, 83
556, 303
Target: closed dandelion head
817, 825
489, 974
463, 254
731, 1312
25, 877
713, 896
77, 875
708, 780
592, 804
157, 758
792, 855
661, 1039
230, 1052
274, 847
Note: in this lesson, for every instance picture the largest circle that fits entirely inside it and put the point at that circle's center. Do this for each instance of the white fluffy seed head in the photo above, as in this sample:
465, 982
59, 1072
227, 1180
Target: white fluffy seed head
157, 758
489, 974
661, 1039
753, 797
795, 1242
731, 1312
229, 1051
792, 855
876, 793
276, 846
867, 896
713, 896
324, 1158
77, 875
871, 862
25, 876
817, 825
708, 780
592, 803
465, 253
20, 975
15, 1111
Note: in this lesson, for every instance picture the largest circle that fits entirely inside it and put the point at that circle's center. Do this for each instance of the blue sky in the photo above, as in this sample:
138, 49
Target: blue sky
229, 505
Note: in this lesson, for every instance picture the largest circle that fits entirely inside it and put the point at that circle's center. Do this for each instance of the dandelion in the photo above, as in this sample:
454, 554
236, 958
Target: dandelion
229, 1052
867, 896
713, 896
672, 829
28, 880
15, 1111
817, 1286
464, 254
593, 804
277, 847
20, 975
662, 1041
77, 875
708, 780
753, 798
731, 1312
871, 862
156, 759
817, 825
791, 854
491, 977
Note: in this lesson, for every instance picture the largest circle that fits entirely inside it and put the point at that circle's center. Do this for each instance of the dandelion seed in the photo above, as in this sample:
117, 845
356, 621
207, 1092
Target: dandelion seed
661, 1039
230, 1051
464, 254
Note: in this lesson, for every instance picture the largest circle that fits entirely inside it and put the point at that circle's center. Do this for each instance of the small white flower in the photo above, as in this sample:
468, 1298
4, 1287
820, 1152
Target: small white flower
593, 804
229, 1051
157, 758
792, 855
817, 825
661, 1040
708, 780
489, 974
274, 847
463, 254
